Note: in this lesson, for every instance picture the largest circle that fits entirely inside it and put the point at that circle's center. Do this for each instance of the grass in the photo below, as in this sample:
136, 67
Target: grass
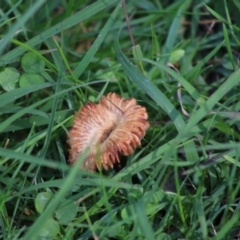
183, 182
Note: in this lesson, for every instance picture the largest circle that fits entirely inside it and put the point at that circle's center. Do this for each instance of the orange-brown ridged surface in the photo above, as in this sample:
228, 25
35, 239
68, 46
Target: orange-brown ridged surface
113, 126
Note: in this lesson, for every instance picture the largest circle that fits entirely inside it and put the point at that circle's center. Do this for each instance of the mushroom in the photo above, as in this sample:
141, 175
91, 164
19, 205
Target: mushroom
106, 130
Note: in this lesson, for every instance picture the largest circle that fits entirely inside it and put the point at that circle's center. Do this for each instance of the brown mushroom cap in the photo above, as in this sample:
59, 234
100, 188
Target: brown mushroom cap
113, 126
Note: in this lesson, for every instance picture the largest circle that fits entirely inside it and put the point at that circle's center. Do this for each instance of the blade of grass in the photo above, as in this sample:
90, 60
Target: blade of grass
62, 70
148, 87
218, 16
5, 16
97, 43
187, 86
174, 29
230, 23
232, 81
23, 111
66, 187
9, 97
67, 23
228, 46
196, 69
25, 123
142, 220
31, 159
29, 13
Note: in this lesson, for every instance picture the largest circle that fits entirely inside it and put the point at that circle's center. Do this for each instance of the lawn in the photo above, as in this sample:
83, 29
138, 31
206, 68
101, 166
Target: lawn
179, 60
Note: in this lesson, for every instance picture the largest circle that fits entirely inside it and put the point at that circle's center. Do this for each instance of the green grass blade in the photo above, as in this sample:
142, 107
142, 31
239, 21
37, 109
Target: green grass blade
12, 9
97, 43
9, 97
31, 159
143, 221
173, 31
66, 187
20, 24
195, 71
232, 81
187, 86
67, 23
228, 45
61, 73
218, 16
148, 87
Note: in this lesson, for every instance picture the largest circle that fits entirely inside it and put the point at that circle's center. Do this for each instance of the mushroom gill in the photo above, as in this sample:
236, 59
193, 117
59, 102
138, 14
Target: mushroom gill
112, 127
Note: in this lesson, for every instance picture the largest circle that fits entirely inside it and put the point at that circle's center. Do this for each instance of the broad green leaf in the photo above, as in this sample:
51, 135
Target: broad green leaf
66, 212
31, 63
163, 236
8, 79
28, 79
176, 55
42, 200
49, 229
126, 213
52, 206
